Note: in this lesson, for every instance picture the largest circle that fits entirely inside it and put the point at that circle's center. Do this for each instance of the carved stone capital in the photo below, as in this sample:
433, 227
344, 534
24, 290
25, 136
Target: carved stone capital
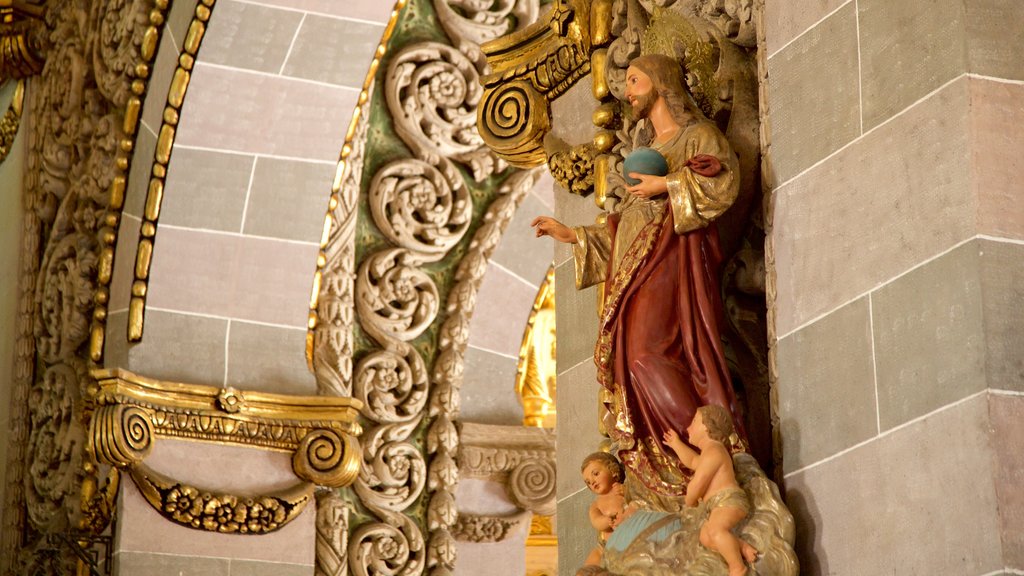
522, 458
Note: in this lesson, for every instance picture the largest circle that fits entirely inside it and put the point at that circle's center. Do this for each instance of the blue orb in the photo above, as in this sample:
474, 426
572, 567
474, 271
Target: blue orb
644, 161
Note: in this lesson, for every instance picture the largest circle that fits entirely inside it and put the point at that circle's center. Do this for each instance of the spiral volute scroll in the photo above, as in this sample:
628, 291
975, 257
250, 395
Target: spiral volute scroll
433, 90
513, 117
122, 435
395, 299
531, 486
394, 547
327, 458
393, 474
419, 207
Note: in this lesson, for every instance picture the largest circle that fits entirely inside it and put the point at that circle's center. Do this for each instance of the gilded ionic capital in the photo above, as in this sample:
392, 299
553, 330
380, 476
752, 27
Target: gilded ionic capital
130, 412
532, 67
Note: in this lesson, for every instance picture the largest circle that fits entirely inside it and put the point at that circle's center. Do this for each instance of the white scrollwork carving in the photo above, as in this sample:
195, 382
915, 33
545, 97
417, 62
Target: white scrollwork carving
419, 207
395, 299
479, 21
393, 388
393, 474
433, 91
391, 548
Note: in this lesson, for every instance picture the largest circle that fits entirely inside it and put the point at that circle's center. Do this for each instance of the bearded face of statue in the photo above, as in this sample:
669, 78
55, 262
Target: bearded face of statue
640, 92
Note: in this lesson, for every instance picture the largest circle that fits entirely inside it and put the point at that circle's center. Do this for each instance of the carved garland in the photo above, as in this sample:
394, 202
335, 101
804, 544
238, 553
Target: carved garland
86, 106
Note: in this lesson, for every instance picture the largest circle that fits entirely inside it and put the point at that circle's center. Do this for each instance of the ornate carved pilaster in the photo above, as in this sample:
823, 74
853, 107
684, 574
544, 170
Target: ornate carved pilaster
430, 183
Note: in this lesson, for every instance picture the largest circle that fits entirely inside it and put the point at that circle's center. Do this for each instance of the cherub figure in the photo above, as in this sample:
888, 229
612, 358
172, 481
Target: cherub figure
603, 475
714, 482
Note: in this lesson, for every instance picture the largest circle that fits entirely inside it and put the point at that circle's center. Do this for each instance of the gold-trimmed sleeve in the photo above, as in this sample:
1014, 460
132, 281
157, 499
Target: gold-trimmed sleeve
697, 200
591, 253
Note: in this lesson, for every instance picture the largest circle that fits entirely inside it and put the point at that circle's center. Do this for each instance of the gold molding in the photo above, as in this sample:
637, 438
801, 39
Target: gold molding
11, 120
161, 158
536, 371
130, 411
119, 184
531, 68
21, 23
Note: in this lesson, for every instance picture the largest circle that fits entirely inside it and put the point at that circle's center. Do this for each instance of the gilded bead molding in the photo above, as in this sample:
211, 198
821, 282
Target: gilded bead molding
161, 158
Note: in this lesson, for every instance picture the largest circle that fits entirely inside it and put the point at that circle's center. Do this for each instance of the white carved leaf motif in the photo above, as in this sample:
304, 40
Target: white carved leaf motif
479, 21
420, 208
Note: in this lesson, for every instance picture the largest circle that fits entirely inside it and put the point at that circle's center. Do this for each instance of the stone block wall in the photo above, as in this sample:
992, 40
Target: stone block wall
262, 125
896, 138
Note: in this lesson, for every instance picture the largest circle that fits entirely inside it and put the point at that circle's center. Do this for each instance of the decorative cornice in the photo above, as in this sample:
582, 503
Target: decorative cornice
223, 415
522, 458
531, 68
129, 412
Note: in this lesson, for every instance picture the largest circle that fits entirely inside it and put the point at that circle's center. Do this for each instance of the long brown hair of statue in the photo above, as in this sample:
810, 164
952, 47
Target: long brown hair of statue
666, 75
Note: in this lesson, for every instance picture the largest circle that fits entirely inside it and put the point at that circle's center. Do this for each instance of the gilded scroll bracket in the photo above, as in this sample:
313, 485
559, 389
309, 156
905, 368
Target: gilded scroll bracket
130, 411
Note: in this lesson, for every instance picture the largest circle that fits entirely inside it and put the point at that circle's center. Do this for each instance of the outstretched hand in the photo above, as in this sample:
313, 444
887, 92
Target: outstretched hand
548, 226
671, 439
649, 185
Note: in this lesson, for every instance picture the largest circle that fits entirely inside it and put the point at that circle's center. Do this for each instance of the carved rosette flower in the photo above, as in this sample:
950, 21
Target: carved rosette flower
394, 298
420, 208
185, 505
54, 447
393, 474
230, 400
392, 388
433, 91
390, 548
